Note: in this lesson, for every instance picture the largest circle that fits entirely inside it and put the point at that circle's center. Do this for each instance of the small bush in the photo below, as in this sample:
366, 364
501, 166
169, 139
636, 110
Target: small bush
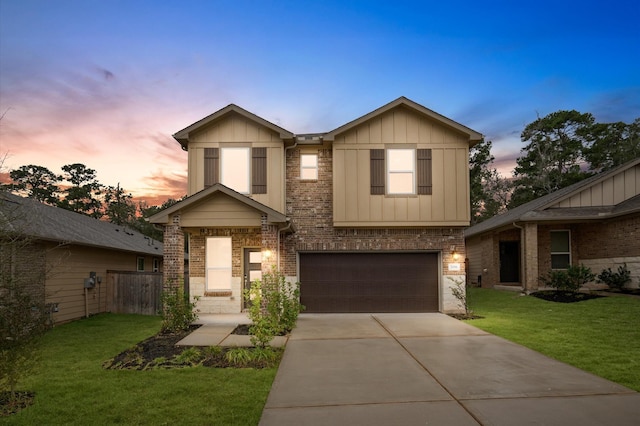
240, 357
178, 313
570, 279
274, 307
615, 280
189, 356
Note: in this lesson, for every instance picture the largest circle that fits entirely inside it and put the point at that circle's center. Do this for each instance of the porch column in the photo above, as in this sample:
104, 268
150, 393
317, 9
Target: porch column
530, 247
173, 253
269, 245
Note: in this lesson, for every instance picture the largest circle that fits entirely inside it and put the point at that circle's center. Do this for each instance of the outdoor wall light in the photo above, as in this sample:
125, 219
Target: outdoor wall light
266, 254
454, 253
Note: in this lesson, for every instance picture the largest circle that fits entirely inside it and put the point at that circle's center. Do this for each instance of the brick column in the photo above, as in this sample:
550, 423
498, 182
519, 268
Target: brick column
530, 247
173, 253
269, 242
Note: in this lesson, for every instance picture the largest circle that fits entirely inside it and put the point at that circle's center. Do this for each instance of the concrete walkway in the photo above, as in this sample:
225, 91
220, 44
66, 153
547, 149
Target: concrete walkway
430, 369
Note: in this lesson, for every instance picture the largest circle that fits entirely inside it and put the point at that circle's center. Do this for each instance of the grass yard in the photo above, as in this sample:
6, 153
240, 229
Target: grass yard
72, 387
601, 335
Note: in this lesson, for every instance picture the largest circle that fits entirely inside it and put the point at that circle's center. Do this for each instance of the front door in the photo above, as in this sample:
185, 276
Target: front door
252, 270
509, 261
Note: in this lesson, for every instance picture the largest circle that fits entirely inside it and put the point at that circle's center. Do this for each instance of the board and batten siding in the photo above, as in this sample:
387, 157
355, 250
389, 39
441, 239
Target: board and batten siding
353, 203
237, 131
69, 265
225, 211
609, 192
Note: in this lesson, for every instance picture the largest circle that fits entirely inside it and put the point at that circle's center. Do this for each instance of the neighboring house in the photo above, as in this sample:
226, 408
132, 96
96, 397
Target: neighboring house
595, 222
368, 217
64, 248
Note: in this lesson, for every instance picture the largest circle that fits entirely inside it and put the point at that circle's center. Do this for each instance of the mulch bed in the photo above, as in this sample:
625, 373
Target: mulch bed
563, 296
160, 351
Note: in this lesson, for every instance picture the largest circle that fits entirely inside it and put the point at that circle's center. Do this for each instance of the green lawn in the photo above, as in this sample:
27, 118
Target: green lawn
72, 387
599, 335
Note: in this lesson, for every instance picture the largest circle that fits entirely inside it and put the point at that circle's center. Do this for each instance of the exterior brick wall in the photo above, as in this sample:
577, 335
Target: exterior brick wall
173, 252
600, 240
240, 238
310, 207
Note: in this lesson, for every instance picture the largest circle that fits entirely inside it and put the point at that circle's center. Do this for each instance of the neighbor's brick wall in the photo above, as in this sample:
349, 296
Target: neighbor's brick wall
614, 238
310, 207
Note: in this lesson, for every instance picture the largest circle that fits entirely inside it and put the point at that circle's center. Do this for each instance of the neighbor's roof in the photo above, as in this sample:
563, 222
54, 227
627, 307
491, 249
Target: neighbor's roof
538, 209
43, 222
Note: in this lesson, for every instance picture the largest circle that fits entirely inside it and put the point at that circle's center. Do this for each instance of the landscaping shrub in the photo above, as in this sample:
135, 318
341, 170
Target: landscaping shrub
570, 279
615, 280
274, 307
178, 313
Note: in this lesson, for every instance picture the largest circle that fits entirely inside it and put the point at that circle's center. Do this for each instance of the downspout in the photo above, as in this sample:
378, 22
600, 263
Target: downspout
280, 230
523, 258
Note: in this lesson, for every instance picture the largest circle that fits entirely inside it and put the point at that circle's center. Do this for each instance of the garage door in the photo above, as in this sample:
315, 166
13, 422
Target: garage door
369, 282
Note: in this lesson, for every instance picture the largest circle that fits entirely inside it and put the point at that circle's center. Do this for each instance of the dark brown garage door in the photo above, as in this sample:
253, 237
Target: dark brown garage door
369, 282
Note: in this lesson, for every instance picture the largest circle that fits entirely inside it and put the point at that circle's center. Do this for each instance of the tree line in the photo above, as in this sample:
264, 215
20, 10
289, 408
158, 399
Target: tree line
561, 148
78, 189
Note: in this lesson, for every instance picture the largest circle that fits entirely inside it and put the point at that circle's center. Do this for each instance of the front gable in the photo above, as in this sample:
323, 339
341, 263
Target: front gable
437, 149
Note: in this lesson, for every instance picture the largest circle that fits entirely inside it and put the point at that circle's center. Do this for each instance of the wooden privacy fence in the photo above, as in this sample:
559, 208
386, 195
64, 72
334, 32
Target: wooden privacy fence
134, 292
130, 292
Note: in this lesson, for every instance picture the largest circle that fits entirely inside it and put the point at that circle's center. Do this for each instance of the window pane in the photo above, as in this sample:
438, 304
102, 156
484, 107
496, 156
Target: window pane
219, 252
560, 261
255, 275
234, 170
401, 160
309, 160
255, 257
219, 279
401, 183
309, 166
560, 241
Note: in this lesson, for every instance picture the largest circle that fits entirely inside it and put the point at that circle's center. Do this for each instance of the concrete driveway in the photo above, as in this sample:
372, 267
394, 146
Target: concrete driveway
430, 369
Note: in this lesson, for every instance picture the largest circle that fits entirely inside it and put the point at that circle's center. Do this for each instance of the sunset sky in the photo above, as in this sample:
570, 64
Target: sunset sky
106, 83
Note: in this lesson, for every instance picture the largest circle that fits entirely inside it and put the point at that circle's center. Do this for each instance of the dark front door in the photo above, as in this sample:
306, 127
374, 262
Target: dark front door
252, 270
509, 261
369, 282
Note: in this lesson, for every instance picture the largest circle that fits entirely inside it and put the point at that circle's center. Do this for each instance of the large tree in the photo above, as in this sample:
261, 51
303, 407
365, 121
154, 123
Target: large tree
36, 182
489, 190
554, 156
83, 195
612, 144
119, 207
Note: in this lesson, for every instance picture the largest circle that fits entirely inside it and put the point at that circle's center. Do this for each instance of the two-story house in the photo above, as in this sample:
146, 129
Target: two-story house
368, 217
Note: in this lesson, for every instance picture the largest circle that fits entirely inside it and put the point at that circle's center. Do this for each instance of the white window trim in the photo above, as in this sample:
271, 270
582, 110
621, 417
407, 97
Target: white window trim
568, 232
389, 171
313, 168
224, 164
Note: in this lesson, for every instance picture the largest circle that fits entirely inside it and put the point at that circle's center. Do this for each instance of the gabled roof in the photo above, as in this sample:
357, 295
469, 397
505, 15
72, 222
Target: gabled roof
540, 208
273, 216
474, 137
183, 135
43, 222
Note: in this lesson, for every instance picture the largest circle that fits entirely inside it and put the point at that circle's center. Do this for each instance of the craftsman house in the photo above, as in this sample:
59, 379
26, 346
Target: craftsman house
595, 222
368, 217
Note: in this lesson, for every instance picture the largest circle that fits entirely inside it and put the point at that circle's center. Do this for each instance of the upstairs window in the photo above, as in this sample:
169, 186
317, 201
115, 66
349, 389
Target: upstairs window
235, 169
401, 171
309, 166
560, 249
241, 169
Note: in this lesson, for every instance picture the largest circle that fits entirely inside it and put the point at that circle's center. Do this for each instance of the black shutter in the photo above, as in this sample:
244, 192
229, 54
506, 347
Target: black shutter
424, 172
211, 166
377, 171
259, 170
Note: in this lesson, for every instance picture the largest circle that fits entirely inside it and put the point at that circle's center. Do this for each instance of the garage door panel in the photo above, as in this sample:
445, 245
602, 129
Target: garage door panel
369, 282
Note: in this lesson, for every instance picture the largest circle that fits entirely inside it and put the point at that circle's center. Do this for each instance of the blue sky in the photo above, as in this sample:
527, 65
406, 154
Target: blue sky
106, 83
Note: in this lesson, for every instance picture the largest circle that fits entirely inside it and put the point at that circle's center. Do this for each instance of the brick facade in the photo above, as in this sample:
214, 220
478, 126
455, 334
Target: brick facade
173, 252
